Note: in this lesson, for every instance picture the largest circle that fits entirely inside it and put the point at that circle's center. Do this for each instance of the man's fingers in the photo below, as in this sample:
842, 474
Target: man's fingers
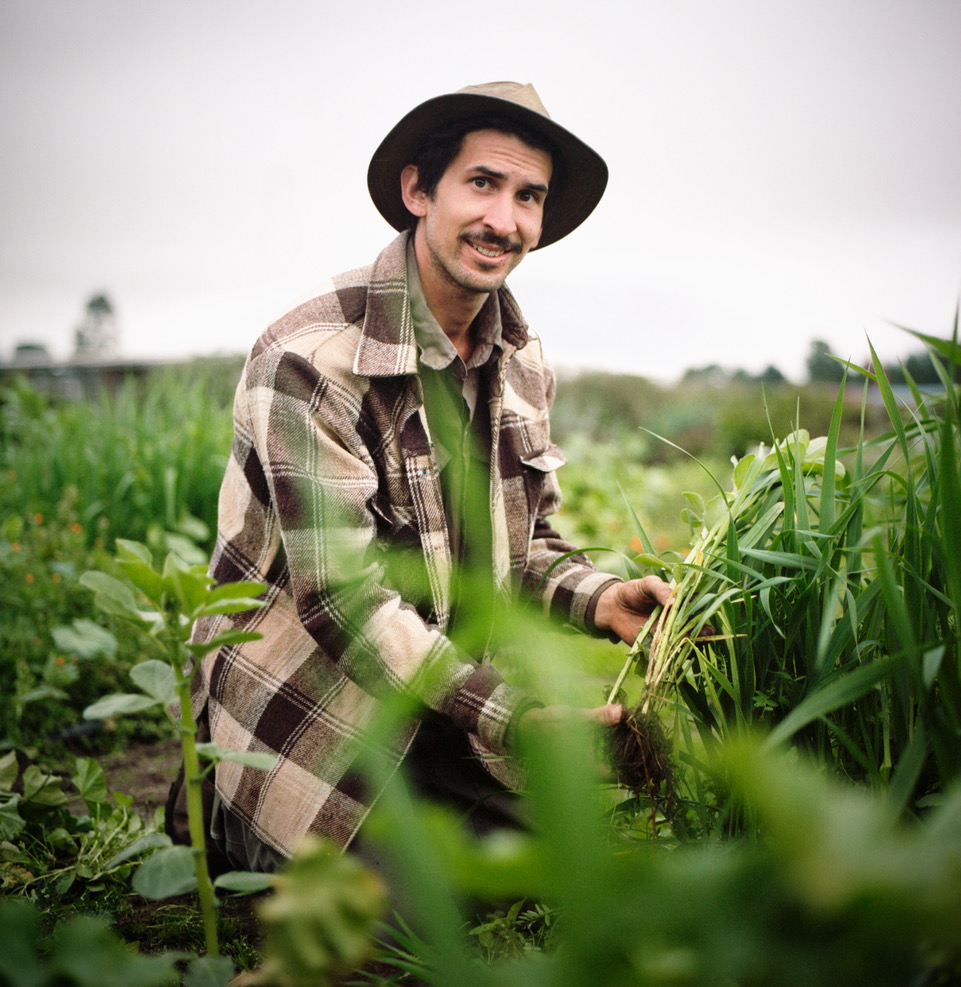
606, 716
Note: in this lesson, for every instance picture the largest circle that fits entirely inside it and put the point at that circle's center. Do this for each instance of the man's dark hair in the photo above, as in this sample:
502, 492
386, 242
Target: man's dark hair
439, 149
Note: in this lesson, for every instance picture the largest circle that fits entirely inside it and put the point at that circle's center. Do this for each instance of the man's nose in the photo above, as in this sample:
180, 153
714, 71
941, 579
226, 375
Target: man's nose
500, 215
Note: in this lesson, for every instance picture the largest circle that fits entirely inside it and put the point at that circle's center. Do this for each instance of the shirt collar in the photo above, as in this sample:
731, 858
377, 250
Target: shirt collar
436, 349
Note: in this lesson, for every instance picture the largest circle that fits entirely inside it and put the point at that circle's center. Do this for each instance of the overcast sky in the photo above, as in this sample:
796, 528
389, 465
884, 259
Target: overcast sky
780, 171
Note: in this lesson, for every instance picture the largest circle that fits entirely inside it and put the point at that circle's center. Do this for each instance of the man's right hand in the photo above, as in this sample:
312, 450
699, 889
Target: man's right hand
549, 718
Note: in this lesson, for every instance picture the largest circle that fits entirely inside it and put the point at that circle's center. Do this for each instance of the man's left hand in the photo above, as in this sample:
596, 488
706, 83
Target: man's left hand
625, 608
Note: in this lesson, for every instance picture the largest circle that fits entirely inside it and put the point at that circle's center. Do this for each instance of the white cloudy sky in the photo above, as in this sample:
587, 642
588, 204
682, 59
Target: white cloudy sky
780, 171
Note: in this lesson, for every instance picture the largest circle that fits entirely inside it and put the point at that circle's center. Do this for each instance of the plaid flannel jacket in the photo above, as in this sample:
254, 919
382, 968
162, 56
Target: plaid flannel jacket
331, 476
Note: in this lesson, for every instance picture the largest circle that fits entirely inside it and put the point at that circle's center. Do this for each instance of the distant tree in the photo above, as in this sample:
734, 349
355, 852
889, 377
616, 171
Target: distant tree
771, 375
712, 373
821, 365
97, 333
921, 369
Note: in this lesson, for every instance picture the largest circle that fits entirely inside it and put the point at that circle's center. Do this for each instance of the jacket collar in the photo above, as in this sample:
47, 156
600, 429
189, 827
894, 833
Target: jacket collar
387, 346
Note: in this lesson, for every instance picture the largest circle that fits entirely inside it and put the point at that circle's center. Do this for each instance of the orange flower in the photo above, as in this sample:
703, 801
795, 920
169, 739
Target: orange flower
59, 659
38, 518
56, 577
29, 578
15, 546
76, 528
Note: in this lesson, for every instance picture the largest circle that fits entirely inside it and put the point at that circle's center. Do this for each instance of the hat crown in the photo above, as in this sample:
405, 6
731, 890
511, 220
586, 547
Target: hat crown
524, 94
580, 174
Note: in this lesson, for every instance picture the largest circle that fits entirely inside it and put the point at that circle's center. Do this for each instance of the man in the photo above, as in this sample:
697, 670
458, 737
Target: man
392, 440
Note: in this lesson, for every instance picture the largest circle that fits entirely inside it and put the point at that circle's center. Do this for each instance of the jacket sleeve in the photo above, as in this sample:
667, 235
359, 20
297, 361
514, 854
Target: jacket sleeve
559, 577
315, 480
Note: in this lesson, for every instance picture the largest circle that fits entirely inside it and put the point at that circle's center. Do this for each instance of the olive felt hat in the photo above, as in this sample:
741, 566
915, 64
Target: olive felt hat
580, 174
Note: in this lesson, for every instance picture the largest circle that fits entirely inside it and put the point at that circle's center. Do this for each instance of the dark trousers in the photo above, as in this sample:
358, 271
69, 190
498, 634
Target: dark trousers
440, 767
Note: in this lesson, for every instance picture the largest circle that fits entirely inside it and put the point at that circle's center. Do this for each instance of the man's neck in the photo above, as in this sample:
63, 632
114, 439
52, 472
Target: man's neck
453, 306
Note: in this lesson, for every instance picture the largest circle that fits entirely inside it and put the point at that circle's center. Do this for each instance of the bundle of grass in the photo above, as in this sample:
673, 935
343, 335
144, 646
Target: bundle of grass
723, 577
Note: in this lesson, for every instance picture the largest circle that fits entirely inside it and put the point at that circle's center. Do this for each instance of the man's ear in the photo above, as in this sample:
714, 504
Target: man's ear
414, 199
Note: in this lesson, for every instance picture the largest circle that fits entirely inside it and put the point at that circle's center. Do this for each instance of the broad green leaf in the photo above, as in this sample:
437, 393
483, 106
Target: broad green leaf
237, 605
19, 944
252, 759
166, 873
209, 971
233, 636
87, 954
9, 769
145, 578
112, 596
43, 789
88, 777
186, 583
133, 551
244, 882
119, 704
157, 679
85, 639
42, 692
150, 841
236, 591
11, 822
185, 549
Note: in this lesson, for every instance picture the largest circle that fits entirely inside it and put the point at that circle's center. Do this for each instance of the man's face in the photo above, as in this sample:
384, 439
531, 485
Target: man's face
485, 214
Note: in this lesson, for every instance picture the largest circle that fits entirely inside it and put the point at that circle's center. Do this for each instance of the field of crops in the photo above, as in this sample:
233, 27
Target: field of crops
781, 807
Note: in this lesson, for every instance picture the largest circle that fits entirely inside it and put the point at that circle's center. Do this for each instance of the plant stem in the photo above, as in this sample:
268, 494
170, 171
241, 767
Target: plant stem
193, 781
637, 649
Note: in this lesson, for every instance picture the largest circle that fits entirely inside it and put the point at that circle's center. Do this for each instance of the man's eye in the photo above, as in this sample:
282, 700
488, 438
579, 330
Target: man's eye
480, 182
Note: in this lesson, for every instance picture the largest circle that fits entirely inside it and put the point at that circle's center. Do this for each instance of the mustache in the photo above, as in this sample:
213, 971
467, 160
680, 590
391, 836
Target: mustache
490, 239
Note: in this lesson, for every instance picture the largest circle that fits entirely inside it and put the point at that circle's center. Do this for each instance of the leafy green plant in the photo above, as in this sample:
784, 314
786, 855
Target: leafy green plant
825, 885
821, 600
80, 952
319, 920
47, 849
166, 602
516, 931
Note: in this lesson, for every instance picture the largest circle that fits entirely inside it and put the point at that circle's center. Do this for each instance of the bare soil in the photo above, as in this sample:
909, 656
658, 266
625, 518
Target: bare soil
144, 770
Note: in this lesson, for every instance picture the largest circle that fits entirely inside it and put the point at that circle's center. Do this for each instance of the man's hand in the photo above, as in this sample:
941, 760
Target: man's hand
546, 720
624, 608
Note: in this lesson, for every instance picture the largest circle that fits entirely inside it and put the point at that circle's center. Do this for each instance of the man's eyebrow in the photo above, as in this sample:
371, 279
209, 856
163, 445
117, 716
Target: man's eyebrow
500, 176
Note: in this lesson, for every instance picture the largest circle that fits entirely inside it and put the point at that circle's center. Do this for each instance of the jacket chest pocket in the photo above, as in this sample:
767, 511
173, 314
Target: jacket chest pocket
528, 461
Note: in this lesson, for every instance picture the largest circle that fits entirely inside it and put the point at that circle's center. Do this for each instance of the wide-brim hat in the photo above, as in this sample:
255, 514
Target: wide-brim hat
580, 170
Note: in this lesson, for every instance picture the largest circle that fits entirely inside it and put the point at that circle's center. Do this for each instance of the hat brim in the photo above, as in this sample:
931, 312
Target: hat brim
582, 171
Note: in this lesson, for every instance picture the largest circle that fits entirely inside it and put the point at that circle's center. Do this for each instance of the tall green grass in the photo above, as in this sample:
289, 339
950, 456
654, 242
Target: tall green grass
144, 463
150, 454
820, 600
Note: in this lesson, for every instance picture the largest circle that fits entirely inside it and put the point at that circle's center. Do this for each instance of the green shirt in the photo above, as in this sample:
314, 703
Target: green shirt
455, 402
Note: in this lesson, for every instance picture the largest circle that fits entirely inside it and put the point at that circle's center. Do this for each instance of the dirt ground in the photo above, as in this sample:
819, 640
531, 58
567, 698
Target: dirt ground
144, 770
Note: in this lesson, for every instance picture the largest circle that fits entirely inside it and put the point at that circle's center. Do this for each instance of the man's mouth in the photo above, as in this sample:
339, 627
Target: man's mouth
491, 247
487, 251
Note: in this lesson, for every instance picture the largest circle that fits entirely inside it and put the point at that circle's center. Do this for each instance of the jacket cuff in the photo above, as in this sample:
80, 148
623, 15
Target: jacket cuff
590, 626
510, 734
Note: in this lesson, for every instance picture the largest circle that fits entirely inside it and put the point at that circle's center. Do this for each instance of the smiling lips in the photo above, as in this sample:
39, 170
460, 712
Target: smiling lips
490, 246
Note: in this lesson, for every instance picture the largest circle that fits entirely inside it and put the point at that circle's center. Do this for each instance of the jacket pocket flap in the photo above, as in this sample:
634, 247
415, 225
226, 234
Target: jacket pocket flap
547, 461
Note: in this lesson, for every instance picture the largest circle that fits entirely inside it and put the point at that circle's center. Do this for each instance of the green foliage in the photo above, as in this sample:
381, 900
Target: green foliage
136, 463
320, 919
517, 931
827, 887
706, 415
821, 600
81, 952
833, 594
47, 850
166, 601
46, 675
